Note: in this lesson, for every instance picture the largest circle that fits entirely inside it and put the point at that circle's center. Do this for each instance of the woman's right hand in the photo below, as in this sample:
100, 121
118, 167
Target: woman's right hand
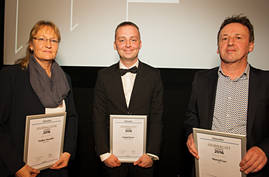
27, 171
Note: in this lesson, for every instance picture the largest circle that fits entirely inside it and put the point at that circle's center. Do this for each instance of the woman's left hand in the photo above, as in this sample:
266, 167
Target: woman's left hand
62, 162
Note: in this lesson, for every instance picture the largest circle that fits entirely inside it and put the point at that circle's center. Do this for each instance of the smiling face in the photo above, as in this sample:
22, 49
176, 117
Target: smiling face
127, 43
233, 43
45, 44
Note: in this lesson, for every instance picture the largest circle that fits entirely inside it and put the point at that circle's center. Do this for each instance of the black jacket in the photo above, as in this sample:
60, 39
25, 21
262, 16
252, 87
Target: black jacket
146, 99
202, 102
17, 100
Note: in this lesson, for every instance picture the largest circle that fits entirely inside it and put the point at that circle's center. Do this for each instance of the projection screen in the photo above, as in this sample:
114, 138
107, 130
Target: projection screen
175, 33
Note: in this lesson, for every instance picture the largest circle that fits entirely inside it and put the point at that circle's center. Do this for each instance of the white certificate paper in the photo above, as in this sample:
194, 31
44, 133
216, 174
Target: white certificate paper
128, 136
44, 137
220, 153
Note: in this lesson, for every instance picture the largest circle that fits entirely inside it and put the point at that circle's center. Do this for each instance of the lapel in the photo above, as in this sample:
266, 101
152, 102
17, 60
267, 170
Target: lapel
118, 87
211, 95
253, 79
138, 85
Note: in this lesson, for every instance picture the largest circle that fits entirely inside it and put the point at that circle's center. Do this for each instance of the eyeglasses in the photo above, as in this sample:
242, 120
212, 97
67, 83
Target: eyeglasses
44, 40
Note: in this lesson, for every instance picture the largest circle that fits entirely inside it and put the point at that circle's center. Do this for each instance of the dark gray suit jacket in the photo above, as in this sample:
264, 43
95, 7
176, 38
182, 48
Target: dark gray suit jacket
202, 102
146, 99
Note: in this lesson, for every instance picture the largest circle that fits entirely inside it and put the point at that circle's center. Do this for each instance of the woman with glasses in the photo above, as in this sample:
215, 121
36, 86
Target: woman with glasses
35, 85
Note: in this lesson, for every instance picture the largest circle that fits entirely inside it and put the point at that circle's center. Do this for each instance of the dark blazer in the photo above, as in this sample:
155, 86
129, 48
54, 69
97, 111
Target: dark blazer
17, 100
146, 99
202, 102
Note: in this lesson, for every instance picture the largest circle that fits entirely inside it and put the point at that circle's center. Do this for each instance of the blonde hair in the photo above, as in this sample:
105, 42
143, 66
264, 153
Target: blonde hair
23, 62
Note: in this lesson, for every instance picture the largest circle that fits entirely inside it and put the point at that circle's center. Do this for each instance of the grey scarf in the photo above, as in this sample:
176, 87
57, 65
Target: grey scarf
51, 91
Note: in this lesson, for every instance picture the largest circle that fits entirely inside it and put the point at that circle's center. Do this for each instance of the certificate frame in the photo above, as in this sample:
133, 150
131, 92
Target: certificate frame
44, 139
127, 142
218, 145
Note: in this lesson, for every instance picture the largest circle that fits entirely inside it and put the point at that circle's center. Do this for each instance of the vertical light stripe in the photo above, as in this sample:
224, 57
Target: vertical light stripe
71, 17
127, 11
16, 33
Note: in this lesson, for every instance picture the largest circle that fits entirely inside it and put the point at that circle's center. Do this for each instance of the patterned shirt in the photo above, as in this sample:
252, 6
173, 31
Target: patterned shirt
230, 112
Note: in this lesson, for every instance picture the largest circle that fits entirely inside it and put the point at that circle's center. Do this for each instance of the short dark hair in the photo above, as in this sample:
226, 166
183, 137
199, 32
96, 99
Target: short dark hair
126, 23
243, 20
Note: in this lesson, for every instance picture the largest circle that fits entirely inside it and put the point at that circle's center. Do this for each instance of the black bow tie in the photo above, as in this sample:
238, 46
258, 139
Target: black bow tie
132, 70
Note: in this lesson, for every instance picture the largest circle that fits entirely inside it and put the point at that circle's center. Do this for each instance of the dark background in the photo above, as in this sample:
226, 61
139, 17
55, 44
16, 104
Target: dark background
174, 158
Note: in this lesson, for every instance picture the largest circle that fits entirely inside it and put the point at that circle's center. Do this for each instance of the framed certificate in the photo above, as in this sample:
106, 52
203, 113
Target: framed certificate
219, 153
128, 136
44, 137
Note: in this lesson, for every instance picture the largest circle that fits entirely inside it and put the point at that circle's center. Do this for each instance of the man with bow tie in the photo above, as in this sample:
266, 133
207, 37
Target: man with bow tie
129, 87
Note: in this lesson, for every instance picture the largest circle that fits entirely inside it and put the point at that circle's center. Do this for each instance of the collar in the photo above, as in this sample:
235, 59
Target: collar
122, 66
245, 74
